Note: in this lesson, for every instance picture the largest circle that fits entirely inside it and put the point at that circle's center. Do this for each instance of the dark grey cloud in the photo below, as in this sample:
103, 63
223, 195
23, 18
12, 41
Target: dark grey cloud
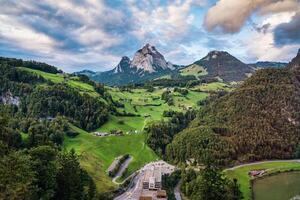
288, 33
260, 29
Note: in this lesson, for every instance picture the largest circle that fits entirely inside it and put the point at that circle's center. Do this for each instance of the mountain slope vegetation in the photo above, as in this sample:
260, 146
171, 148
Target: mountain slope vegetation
36, 95
258, 120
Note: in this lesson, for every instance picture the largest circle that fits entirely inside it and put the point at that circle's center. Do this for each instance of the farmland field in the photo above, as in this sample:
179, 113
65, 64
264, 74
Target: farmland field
148, 106
214, 86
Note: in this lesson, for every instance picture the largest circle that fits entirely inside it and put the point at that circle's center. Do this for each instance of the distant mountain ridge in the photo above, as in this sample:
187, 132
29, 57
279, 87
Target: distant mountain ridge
268, 64
148, 64
86, 72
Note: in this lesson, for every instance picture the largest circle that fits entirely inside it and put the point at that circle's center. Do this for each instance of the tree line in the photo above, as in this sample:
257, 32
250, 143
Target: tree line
160, 134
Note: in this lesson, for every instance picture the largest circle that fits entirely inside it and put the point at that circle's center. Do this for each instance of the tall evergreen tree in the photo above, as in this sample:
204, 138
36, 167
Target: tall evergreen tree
69, 180
45, 166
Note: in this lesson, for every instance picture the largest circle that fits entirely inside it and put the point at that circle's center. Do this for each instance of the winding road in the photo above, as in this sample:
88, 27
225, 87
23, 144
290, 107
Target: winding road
123, 167
177, 192
261, 162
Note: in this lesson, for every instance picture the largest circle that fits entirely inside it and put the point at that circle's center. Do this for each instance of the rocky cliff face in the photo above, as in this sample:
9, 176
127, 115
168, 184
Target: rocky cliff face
8, 99
145, 60
148, 59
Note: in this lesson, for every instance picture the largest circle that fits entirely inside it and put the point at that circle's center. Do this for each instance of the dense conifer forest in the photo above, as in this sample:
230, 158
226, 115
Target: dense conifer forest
258, 120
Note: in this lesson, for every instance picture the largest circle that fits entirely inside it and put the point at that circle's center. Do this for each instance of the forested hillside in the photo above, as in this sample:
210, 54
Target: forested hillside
33, 96
259, 120
37, 104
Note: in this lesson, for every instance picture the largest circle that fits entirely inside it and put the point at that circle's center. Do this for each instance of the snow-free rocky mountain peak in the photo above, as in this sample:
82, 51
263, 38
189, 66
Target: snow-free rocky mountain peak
146, 59
147, 64
123, 65
150, 60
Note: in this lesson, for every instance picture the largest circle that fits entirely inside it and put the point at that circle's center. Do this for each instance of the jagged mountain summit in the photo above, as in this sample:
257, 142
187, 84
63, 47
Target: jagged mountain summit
224, 66
148, 59
147, 63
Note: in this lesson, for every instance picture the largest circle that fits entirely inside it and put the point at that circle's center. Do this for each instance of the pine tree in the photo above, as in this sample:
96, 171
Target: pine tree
45, 166
69, 182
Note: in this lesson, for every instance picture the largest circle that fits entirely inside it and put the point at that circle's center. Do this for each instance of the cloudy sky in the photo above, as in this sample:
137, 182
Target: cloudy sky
95, 34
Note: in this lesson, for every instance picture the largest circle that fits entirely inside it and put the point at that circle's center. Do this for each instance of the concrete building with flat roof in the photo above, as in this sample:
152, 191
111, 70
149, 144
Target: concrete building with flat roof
148, 182
152, 179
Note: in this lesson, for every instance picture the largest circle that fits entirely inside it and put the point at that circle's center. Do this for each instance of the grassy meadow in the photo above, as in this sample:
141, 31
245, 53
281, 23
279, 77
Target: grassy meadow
148, 106
212, 87
97, 153
194, 70
72, 81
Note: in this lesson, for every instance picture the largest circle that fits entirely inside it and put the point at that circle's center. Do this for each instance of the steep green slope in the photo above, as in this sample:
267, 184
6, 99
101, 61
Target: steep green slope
47, 94
72, 81
194, 70
99, 152
259, 120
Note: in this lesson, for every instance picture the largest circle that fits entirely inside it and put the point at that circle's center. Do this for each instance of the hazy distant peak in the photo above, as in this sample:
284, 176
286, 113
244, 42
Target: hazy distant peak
123, 65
